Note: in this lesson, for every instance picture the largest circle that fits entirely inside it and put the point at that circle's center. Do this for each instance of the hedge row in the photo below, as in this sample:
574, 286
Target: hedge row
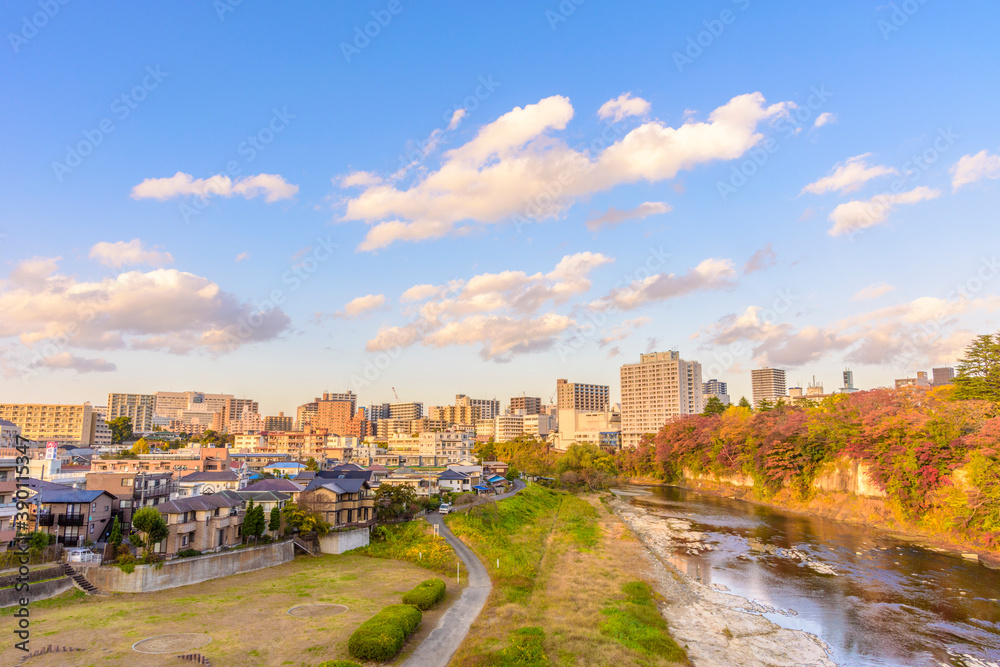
426, 594
382, 636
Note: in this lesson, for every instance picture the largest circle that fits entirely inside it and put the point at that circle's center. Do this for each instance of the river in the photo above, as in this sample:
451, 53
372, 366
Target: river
887, 602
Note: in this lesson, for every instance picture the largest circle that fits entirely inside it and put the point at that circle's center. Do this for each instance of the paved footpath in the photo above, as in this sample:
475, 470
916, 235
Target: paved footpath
436, 650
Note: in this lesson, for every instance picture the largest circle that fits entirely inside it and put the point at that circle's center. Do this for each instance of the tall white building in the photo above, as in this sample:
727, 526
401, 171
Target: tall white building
768, 384
488, 407
138, 407
658, 388
172, 403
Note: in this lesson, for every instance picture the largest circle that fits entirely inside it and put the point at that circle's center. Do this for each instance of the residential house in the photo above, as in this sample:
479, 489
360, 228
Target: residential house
266, 499
8, 504
74, 515
290, 468
205, 483
204, 523
133, 491
495, 468
342, 502
288, 487
455, 481
424, 484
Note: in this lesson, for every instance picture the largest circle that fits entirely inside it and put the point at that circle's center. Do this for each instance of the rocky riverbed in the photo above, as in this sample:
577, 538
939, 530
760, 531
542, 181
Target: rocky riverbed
717, 628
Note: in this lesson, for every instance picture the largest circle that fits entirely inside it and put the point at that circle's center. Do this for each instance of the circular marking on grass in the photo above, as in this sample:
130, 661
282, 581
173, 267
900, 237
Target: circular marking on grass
182, 641
315, 610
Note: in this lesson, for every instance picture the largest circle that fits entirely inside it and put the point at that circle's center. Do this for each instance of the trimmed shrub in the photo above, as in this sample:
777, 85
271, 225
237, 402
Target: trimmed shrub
188, 553
382, 636
426, 594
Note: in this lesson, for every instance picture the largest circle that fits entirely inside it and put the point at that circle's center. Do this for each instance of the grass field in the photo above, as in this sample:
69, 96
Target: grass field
245, 615
569, 589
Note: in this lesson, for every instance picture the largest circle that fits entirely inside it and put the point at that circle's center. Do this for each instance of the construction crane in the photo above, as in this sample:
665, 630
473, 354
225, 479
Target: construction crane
395, 394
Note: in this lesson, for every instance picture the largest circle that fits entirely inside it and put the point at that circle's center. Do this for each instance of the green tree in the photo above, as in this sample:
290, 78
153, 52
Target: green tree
485, 451
305, 521
744, 403
253, 521
714, 406
765, 406
153, 528
116, 533
274, 525
513, 473
393, 501
979, 371
121, 429
311, 464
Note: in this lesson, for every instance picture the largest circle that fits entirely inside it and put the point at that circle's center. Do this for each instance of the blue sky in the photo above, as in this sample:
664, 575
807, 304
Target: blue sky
768, 178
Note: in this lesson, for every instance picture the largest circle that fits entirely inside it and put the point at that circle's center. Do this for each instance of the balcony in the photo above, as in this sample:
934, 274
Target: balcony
45, 519
70, 520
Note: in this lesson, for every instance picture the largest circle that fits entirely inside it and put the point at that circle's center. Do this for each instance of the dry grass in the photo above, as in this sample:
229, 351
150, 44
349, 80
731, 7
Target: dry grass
588, 556
244, 614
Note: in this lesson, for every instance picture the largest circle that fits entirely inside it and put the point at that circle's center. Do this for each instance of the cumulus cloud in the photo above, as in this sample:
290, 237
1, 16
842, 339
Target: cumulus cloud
499, 312
974, 168
710, 274
272, 186
911, 334
622, 107
514, 169
622, 331
162, 309
849, 176
825, 118
362, 306
613, 216
131, 253
872, 292
68, 361
760, 260
856, 215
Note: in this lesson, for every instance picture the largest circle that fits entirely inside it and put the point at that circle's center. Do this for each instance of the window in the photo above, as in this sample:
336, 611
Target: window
91, 528
126, 481
93, 507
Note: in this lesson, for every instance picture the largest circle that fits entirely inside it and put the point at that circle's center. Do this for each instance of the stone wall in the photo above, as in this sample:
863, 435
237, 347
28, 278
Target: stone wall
36, 591
338, 543
186, 571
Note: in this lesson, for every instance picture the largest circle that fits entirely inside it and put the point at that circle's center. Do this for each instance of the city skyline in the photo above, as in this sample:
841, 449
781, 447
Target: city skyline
377, 221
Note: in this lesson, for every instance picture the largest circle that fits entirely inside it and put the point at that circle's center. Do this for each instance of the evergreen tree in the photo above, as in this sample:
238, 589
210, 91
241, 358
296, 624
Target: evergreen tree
979, 371
714, 406
275, 524
116, 533
744, 403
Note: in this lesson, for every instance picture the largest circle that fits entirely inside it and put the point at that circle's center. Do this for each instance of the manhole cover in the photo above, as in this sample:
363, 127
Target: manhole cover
320, 609
184, 641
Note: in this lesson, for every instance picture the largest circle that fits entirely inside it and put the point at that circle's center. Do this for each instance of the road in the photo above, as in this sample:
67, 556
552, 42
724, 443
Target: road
436, 650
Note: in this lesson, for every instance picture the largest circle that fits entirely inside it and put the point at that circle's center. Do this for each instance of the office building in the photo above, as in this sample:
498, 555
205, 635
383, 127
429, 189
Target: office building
768, 385
848, 387
406, 410
580, 396
137, 407
658, 388
64, 424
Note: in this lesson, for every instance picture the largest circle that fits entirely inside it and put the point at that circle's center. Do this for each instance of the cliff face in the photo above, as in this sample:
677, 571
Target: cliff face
844, 475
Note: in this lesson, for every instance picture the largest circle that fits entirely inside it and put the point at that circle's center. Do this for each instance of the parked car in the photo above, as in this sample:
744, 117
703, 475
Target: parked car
444, 508
82, 556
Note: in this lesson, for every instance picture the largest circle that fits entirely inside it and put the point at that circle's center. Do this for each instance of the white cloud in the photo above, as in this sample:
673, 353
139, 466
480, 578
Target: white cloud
613, 216
130, 253
910, 334
622, 331
456, 118
710, 274
825, 118
622, 107
68, 361
362, 179
760, 260
849, 176
499, 312
860, 214
272, 186
362, 306
873, 292
513, 167
974, 168
242, 256
158, 309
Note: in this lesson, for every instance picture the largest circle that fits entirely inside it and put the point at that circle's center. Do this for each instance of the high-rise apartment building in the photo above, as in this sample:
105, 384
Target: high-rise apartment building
406, 410
580, 396
279, 423
719, 390
65, 424
172, 403
102, 432
488, 407
943, 376
768, 384
658, 388
530, 405
240, 414
138, 407
454, 414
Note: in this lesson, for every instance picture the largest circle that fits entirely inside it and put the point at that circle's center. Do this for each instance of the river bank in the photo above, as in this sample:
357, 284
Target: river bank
846, 508
715, 628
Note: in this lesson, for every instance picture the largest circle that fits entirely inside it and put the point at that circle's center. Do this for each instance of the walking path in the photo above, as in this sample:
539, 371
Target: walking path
436, 650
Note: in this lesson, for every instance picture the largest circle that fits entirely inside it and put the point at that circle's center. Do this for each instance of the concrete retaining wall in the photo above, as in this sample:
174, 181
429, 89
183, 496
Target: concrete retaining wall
185, 571
36, 591
338, 543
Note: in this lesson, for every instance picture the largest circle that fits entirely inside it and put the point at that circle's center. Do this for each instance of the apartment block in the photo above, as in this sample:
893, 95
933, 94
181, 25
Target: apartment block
102, 432
768, 384
340, 418
580, 396
528, 405
406, 410
279, 423
943, 376
455, 414
171, 403
138, 407
660, 387
64, 424
241, 415
488, 407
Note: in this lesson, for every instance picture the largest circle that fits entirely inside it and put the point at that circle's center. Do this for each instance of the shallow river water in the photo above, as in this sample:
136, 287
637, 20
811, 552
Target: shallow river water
888, 602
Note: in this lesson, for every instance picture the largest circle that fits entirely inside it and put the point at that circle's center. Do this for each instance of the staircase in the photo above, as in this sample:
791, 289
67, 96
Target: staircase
302, 544
78, 579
